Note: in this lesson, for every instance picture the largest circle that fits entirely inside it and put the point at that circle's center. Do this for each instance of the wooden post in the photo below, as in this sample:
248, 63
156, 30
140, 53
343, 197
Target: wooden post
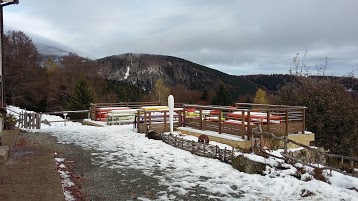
286, 122
180, 118
219, 120
243, 125
268, 120
145, 121
204, 148
165, 121
216, 150
224, 159
150, 120
201, 118
25, 120
138, 120
38, 120
184, 115
232, 154
248, 125
303, 120
32, 125
286, 134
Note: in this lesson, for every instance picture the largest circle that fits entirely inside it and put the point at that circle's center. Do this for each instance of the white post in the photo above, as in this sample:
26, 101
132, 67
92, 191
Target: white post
171, 112
65, 116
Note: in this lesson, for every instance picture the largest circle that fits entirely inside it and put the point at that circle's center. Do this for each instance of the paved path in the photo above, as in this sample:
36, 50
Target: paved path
30, 172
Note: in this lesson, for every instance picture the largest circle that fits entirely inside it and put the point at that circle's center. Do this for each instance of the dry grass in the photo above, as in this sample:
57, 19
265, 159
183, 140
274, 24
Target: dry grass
318, 174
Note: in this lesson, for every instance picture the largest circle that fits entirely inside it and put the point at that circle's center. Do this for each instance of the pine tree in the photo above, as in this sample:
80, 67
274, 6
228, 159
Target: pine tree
222, 96
82, 96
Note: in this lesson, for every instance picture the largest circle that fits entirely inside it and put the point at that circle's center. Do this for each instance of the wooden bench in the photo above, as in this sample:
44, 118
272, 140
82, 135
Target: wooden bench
102, 112
121, 116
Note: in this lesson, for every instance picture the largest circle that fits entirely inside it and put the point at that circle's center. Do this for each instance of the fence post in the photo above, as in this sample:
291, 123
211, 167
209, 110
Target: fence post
38, 120
286, 113
145, 121
201, 118
219, 120
138, 120
248, 125
204, 149
224, 159
165, 121
232, 154
150, 120
184, 115
21, 119
216, 150
286, 134
243, 125
303, 120
268, 120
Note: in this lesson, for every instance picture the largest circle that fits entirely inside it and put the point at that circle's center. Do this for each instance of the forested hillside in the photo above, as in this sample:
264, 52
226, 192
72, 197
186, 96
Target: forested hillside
144, 69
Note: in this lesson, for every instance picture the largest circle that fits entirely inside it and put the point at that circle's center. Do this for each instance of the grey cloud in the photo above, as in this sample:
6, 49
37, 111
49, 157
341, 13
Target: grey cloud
242, 36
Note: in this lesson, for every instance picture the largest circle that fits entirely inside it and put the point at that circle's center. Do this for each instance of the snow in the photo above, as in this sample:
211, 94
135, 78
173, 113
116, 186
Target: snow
127, 73
212, 133
65, 179
120, 147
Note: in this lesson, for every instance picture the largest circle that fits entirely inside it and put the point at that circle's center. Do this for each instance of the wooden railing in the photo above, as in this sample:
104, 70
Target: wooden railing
157, 120
240, 120
133, 105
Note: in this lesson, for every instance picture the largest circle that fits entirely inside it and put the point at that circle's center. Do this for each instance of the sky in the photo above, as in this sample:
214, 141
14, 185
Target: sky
234, 36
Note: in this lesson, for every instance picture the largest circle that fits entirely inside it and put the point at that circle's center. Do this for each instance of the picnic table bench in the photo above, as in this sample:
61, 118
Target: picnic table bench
101, 112
121, 116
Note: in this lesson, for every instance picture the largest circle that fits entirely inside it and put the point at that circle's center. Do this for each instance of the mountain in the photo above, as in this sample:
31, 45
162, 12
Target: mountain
144, 69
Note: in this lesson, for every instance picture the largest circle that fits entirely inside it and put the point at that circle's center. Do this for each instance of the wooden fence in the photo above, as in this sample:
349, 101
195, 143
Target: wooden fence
200, 149
29, 120
257, 146
241, 119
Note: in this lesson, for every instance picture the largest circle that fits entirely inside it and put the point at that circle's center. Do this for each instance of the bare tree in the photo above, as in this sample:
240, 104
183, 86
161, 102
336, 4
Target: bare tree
25, 80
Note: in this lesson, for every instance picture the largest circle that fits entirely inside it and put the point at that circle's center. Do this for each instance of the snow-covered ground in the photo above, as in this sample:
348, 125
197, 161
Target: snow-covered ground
119, 147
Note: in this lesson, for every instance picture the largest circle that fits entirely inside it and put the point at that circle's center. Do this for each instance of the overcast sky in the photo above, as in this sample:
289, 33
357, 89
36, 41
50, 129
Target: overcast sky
233, 36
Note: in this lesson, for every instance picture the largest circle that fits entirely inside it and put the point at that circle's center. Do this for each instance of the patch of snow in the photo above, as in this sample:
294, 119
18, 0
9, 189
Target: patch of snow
127, 73
212, 133
65, 179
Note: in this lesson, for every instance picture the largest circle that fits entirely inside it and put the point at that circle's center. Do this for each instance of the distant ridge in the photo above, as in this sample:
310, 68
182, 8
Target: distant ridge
144, 69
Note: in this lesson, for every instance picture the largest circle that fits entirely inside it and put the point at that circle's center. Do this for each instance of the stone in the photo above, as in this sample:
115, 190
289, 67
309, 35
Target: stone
247, 165
153, 135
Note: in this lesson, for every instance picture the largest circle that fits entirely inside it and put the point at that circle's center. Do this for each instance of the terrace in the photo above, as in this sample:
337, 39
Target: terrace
232, 125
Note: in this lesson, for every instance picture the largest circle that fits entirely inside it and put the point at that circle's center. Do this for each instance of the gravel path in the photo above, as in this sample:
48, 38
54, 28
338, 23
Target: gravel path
97, 182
